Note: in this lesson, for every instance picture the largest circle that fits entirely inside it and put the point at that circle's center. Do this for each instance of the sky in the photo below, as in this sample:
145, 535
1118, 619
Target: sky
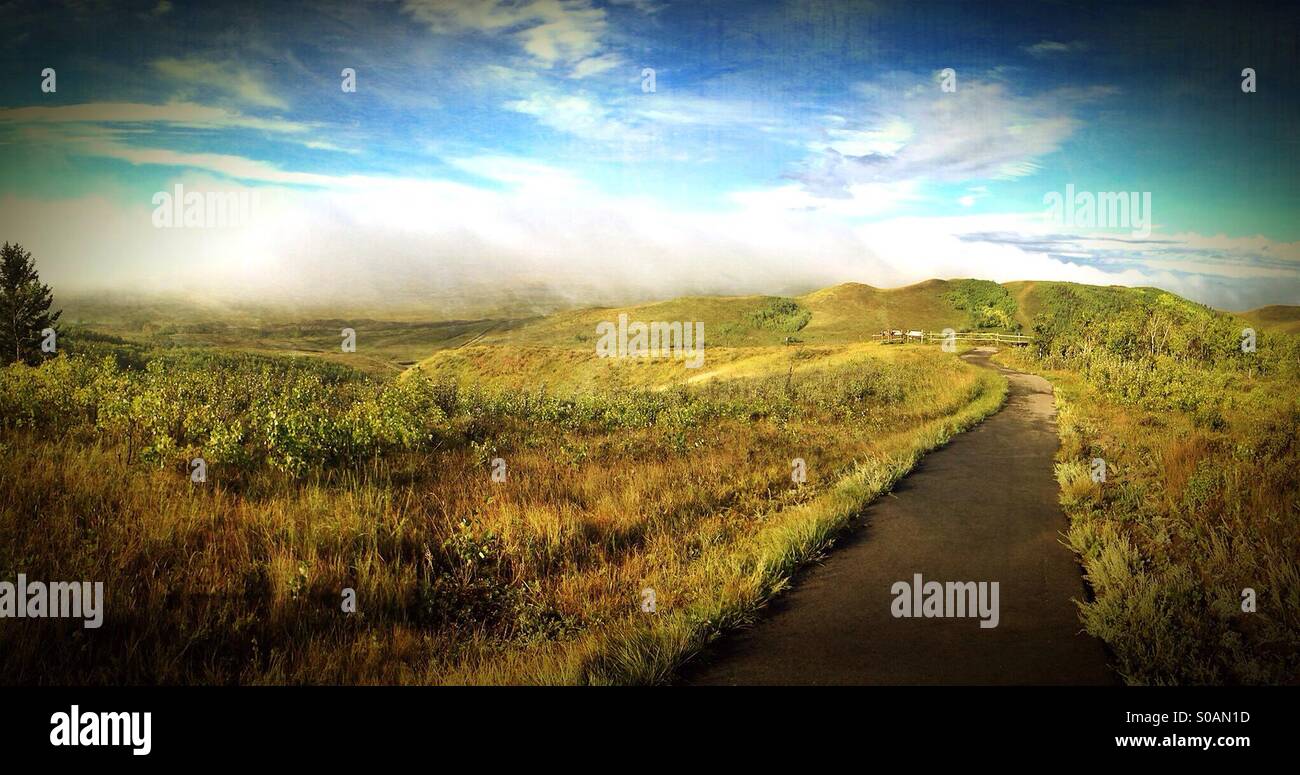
636, 149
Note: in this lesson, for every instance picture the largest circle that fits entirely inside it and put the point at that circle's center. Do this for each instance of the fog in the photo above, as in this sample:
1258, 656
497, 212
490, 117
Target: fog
455, 250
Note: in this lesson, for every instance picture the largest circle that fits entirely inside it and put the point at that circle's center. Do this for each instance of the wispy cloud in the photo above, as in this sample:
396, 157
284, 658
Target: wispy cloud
550, 32
1049, 48
495, 142
981, 132
225, 78
575, 114
231, 166
180, 114
547, 228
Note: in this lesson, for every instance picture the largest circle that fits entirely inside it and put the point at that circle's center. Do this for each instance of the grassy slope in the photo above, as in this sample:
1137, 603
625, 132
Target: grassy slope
718, 590
853, 311
556, 351
841, 313
1027, 301
1154, 618
1198, 503
1281, 318
744, 575
385, 346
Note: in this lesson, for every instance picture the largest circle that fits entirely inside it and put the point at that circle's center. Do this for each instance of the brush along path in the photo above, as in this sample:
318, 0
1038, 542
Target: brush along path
982, 509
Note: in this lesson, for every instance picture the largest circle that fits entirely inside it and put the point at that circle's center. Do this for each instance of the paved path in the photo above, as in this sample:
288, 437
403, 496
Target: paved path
983, 508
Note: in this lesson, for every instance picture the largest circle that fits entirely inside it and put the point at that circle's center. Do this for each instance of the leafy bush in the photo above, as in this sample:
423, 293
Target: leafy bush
988, 303
782, 315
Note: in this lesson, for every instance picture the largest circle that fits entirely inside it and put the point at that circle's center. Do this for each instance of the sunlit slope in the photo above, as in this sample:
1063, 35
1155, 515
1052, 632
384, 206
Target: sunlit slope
1064, 305
757, 335
728, 321
851, 312
1027, 301
384, 345
570, 370
745, 336
1282, 318
854, 312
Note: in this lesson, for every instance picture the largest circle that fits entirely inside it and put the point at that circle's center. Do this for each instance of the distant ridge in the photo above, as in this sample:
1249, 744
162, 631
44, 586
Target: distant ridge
1283, 318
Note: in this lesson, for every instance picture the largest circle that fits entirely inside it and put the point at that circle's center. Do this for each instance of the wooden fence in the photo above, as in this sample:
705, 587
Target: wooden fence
938, 337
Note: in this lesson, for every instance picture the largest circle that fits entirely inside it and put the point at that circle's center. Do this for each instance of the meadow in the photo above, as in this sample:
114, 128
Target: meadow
639, 509
1191, 540
621, 478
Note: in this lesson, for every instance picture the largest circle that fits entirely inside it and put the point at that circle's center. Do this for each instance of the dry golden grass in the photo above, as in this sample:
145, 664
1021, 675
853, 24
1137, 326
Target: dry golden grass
1190, 516
458, 579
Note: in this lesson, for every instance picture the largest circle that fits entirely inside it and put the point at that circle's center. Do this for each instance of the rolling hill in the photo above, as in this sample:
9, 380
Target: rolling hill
749, 335
1282, 318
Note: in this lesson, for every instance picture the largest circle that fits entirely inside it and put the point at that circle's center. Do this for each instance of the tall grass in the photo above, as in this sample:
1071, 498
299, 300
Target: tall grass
321, 479
1201, 500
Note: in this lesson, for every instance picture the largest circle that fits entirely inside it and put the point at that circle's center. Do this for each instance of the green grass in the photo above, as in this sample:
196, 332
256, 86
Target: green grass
1199, 501
1280, 318
373, 471
322, 477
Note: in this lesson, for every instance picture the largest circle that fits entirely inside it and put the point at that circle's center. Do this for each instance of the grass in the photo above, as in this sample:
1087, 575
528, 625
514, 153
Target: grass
1199, 502
322, 479
385, 345
329, 472
1278, 317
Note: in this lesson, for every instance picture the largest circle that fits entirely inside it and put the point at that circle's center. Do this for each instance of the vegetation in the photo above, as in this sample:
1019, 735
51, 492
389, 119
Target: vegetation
988, 304
1199, 501
783, 315
1279, 318
25, 316
332, 472
321, 478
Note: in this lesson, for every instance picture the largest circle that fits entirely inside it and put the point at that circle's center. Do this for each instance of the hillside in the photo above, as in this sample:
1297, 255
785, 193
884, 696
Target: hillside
743, 334
850, 312
1282, 318
748, 335
618, 475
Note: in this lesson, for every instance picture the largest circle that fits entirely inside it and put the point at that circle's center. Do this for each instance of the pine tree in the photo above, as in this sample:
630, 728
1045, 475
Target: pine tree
24, 307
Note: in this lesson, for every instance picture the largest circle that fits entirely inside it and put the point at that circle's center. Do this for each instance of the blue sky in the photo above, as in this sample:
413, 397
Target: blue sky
492, 145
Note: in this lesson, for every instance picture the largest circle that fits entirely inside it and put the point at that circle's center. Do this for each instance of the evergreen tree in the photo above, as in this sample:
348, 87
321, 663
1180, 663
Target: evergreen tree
24, 307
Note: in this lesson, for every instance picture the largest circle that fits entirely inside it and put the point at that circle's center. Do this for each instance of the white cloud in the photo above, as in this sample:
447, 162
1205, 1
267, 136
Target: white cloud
574, 114
552, 32
521, 174
595, 65
179, 113
1047, 48
224, 77
886, 141
863, 199
231, 166
980, 132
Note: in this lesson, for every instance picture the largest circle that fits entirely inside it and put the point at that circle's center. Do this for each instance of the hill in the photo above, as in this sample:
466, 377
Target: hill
749, 335
1282, 318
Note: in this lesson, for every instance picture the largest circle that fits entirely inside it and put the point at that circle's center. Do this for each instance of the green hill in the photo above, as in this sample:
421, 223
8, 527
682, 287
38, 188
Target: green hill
851, 312
747, 335
1282, 318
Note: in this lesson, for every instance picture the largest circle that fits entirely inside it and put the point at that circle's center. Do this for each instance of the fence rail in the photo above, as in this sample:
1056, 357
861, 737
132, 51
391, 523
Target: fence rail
930, 337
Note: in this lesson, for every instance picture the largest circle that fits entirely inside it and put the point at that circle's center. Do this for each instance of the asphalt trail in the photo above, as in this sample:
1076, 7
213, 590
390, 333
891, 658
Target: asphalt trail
983, 508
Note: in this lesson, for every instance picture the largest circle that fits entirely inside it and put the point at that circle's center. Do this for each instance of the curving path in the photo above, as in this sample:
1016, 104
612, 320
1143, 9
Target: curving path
983, 508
